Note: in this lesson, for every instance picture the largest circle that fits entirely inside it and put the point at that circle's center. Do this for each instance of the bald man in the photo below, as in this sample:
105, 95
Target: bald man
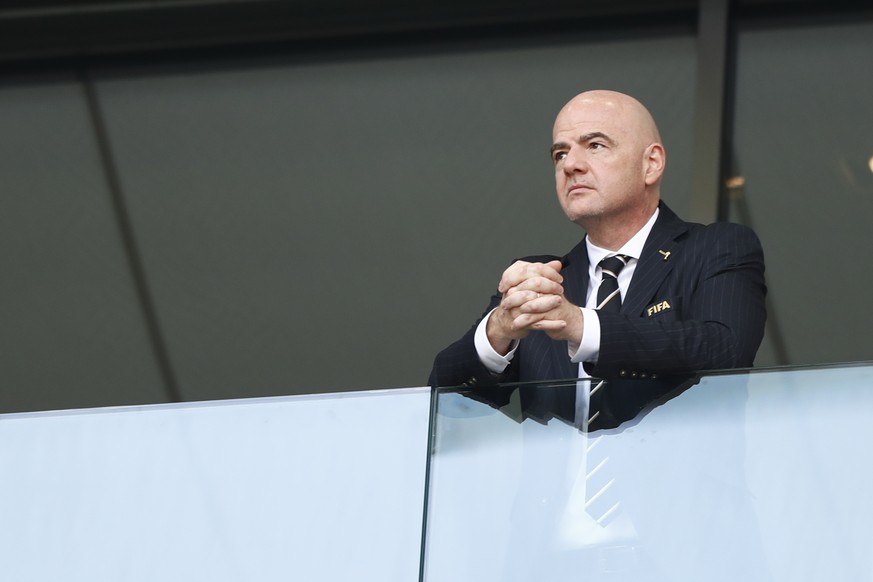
691, 296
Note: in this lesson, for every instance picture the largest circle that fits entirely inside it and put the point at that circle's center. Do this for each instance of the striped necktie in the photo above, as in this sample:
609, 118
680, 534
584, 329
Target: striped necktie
608, 295
608, 301
601, 501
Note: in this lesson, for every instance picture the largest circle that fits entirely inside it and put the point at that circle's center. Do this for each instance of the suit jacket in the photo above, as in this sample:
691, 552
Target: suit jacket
696, 302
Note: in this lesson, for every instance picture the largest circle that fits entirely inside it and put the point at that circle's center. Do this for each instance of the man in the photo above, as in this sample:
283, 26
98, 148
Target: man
691, 296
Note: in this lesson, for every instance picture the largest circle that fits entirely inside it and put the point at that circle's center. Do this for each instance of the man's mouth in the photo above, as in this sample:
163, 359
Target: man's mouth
578, 189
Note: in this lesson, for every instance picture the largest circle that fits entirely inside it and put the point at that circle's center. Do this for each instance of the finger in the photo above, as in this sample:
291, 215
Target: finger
526, 320
538, 321
541, 304
538, 284
531, 301
517, 299
512, 276
524, 271
549, 325
521, 271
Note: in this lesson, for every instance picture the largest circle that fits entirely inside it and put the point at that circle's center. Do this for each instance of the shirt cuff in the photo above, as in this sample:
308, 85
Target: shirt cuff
490, 358
588, 348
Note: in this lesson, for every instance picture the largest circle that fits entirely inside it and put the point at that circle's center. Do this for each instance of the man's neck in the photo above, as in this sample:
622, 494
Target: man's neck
633, 248
613, 232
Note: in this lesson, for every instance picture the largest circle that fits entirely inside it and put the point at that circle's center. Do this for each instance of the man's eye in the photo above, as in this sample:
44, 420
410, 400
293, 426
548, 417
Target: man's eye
596, 145
558, 156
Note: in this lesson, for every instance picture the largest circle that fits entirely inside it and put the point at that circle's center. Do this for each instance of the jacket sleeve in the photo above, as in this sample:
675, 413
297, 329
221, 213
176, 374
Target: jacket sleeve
459, 363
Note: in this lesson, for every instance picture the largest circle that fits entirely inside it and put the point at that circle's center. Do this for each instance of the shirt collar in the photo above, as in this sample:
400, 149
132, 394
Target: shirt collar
632, 248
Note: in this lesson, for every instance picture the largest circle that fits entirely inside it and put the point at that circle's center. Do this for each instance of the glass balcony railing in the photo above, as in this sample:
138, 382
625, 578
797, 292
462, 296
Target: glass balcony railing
308, 488
753, 476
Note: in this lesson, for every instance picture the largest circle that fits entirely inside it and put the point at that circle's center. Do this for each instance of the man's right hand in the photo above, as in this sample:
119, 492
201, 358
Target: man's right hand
530, 291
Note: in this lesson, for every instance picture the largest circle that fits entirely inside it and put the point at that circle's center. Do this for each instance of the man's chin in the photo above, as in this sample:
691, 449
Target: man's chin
580, 215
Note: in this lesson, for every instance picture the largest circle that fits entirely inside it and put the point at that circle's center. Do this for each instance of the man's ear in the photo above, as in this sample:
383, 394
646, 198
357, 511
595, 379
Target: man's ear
654, 161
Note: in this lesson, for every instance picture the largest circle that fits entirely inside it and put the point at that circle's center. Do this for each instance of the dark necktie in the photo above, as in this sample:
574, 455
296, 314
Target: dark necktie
608, 296
608, 301
601, 501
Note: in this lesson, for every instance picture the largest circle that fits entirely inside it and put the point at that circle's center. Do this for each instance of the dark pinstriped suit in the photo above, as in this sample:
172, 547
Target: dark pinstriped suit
713, 282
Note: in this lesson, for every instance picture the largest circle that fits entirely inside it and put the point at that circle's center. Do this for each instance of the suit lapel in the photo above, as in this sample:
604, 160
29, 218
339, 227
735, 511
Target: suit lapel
575, 272
653, 266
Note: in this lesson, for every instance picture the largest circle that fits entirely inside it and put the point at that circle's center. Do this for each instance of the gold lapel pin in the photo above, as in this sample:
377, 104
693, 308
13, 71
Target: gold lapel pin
666, 254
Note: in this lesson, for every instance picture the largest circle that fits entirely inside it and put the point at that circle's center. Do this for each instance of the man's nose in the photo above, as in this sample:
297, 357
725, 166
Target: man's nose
575, 161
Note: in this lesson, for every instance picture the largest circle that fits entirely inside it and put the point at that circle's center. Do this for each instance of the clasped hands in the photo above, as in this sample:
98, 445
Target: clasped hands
533, 299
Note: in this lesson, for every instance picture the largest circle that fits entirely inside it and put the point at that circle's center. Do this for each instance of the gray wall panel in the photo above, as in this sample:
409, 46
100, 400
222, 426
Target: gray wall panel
72, 332
803, 142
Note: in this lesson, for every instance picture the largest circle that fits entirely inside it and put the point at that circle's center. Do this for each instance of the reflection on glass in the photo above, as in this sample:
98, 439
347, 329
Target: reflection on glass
737, 478
589, 404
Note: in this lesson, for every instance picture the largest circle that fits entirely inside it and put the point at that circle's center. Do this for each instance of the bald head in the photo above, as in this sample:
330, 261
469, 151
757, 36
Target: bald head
608, 164
621, 108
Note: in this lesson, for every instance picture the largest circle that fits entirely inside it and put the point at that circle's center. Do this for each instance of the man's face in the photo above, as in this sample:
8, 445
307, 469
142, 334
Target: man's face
600, 151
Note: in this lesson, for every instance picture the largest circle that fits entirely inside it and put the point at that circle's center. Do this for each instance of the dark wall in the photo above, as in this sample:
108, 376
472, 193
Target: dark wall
287, 226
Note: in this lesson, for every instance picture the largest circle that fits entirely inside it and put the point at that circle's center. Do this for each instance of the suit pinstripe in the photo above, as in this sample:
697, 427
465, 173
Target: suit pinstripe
712, 281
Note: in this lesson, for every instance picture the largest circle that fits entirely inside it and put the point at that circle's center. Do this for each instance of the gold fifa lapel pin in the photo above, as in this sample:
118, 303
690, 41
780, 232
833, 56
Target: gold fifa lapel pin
666, 254
658, 308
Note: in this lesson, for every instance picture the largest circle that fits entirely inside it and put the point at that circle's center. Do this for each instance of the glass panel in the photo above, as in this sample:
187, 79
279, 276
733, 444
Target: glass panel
744, 476
261, 489
804, 148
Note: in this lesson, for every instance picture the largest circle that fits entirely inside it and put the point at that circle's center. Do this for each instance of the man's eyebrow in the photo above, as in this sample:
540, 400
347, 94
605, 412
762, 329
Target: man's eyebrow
561, 145
583, 139
596, 135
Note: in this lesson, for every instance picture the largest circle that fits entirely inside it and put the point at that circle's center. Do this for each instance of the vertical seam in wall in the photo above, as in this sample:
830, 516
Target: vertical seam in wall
728, 104
709, 128
730, 168
128, 239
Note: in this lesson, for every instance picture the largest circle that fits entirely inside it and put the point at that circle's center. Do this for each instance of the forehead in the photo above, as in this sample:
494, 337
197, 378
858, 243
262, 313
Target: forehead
583, 116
